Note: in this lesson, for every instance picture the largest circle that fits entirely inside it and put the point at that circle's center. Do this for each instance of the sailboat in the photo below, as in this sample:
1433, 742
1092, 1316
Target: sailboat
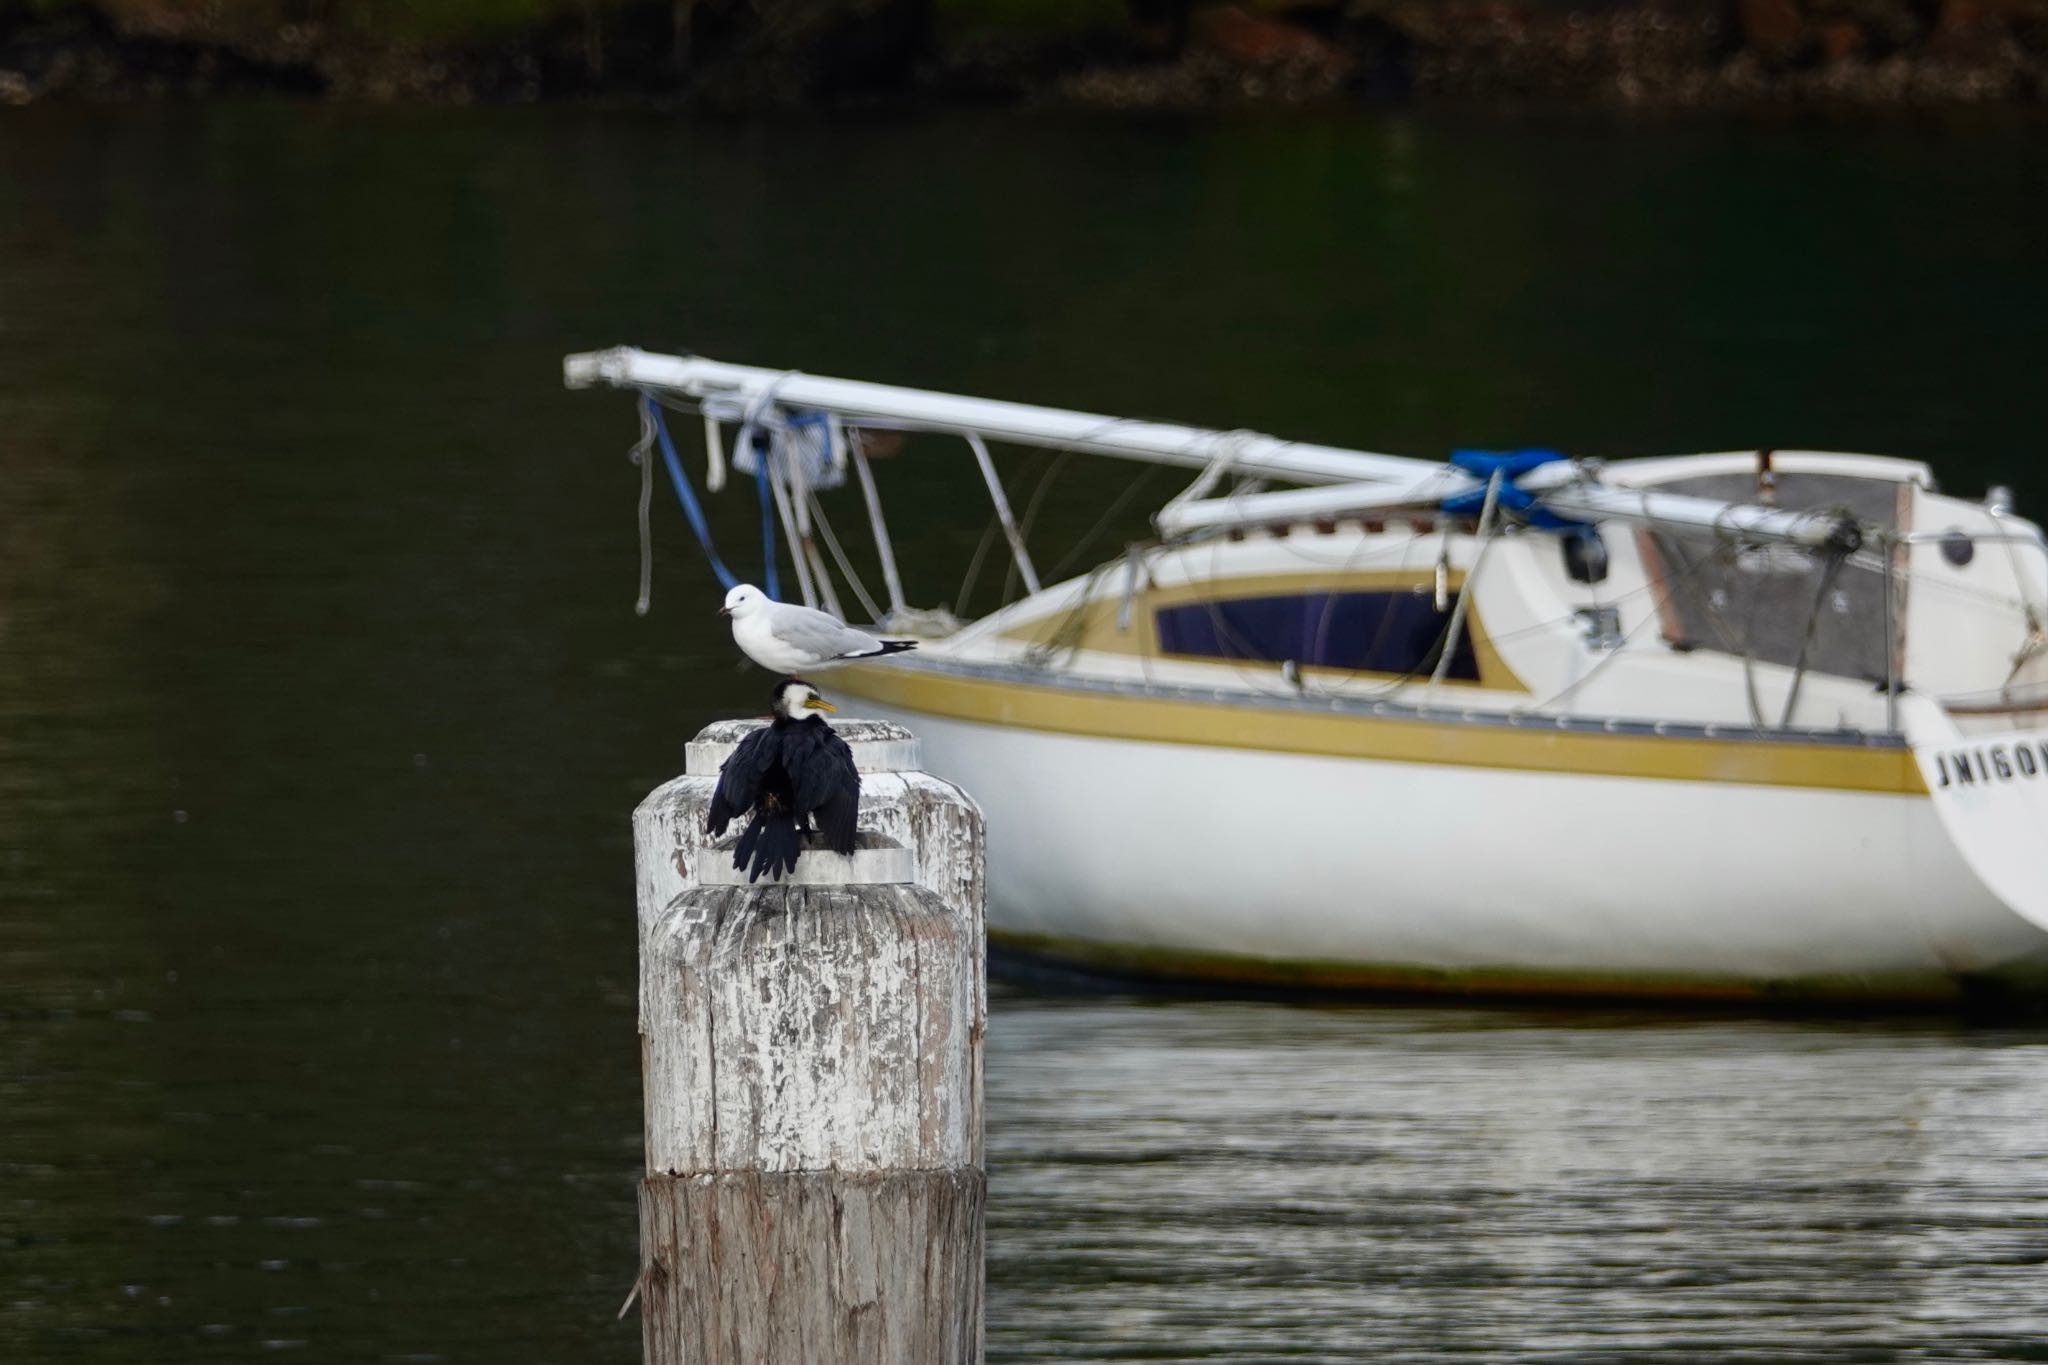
1748, 725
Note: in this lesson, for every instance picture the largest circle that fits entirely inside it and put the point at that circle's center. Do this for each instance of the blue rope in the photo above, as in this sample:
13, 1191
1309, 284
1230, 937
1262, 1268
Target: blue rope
767, 517
1511, 465
686, 495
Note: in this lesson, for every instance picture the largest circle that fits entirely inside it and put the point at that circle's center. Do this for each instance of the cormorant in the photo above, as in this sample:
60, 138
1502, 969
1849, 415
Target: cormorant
787, 639
797, 770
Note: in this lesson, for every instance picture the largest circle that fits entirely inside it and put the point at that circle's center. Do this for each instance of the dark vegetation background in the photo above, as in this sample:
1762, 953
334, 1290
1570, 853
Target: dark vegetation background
753, 54
323, 704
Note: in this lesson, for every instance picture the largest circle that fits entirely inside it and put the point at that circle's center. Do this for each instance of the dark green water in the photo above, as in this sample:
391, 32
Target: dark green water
322, 707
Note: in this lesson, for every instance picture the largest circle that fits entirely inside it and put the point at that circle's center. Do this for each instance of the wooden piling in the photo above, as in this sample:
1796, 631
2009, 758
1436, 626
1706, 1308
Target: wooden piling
811, 1055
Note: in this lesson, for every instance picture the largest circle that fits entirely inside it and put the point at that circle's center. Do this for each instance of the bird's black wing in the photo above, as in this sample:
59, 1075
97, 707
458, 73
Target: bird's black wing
740, 777
770, 843
821, 769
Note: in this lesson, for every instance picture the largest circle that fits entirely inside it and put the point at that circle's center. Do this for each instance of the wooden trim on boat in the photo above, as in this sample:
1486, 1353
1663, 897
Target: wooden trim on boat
1148, 715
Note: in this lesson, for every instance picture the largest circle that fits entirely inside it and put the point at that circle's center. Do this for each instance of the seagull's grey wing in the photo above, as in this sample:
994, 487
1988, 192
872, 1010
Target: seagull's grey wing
819, 635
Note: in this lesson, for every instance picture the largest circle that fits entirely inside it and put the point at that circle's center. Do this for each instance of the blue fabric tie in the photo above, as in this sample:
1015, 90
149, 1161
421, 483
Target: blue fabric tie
1511, 465
767, 520
685, 494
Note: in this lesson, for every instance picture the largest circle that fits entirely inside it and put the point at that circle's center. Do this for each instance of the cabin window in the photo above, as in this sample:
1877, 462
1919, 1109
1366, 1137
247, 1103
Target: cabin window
1399, 632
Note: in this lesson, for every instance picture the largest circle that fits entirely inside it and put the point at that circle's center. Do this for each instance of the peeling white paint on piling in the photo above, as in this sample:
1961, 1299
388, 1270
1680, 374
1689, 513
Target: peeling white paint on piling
778, 1037
812, 1068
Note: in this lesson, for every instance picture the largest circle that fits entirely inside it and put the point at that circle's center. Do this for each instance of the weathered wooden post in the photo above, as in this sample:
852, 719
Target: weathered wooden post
811, 1055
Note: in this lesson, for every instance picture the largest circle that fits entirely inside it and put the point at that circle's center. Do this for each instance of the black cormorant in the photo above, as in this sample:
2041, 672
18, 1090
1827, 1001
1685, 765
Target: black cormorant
797, 770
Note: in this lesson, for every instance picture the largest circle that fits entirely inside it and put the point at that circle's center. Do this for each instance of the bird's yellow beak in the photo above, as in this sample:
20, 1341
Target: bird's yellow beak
820, 704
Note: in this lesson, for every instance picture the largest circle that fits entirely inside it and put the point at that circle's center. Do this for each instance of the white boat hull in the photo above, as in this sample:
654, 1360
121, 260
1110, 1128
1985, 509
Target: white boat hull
1746, 723
1188, 859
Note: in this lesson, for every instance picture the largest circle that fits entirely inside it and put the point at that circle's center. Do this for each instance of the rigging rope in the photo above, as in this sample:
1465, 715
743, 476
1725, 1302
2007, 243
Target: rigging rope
1059, 462
1018, 553
1827, 581
1072, 629
995, 523
839, 557
988, 536
1494, 483
1756, 707
714, 456
877, 526
1228, 448
650, 415
766, 488
1102, 522
2036, 639
643, 448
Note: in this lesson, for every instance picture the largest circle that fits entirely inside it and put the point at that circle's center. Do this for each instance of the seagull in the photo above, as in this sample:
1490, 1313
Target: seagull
796, 770
788, 639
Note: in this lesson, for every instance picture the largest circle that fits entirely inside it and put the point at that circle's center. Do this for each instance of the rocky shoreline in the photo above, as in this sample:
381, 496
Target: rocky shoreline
731, 55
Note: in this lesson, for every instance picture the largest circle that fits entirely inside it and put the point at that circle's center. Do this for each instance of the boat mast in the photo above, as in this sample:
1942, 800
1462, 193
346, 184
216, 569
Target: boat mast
888, 406
1363, 480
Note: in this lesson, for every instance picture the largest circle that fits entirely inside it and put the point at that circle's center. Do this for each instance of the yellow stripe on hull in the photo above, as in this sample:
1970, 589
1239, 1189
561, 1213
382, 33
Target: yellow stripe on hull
1394, 739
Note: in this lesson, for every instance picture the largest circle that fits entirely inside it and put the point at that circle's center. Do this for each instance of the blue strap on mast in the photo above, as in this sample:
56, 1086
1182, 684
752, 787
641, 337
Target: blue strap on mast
767, 519
687, 495
1510, 465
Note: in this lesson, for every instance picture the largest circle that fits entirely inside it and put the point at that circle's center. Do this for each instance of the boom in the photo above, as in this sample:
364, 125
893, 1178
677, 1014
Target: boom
1362, 480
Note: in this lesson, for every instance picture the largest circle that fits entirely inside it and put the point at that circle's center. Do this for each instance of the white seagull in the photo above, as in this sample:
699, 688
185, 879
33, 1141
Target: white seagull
787, 639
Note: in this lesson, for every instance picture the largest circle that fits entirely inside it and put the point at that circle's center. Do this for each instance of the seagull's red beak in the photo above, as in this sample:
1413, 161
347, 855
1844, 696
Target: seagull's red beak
725, 611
